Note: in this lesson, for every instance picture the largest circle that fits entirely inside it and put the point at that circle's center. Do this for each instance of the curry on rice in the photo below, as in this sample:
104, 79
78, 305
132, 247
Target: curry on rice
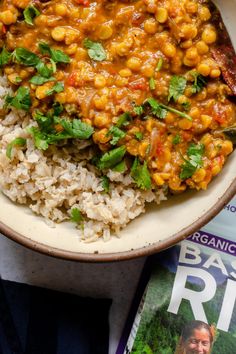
142, 83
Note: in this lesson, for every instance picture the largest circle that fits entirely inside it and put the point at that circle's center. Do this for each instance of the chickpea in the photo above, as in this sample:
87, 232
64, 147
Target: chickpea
150, 26
100, 102
101, 120
191, 7
161, 15
209, 35
199, 175
227, 147
13, 78
61, 10
134, 63
22, 4
7, 17
169, 50
191, 53
215, 73
41, 92
101, 136
186, 44
206, 120
99, 81
125, 72
202, 47
105, 31
194, 113
185, 124
158, 179
204, 13
58, 34
71, 49
204, 69
188, 31
147, 70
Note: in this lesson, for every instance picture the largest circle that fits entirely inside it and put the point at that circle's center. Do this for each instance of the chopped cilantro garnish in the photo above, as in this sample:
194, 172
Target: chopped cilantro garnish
177, 87
120, 167
56, 55
105, 184
138, 136
116, 134
138, 110
76, 215
95, 50
176, 140
21, 100
157, 109
160, 109
112, 158
140, 174
159, 64
16, 141
186, 106
44, 70
40, 80
199, 82
5, 57
123, 120
25, 57
195, 153
30, 13
46, 133
152, 83
58, 87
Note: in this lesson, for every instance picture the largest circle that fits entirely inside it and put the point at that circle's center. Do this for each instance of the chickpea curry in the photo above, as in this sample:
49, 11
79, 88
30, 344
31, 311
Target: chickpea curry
141, 79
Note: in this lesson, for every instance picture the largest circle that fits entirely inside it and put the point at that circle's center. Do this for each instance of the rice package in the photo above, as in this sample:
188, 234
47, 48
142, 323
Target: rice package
187, 295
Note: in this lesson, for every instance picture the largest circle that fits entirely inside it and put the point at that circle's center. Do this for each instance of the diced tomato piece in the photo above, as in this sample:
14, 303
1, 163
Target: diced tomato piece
72, 79
4, 29
139, 84
159, 149
83, 2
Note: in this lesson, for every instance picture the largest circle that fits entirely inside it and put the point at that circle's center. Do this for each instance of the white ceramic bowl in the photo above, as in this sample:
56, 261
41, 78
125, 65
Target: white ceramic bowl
160, 227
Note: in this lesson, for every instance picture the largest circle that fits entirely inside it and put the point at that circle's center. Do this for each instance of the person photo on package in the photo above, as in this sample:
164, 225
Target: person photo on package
197, 338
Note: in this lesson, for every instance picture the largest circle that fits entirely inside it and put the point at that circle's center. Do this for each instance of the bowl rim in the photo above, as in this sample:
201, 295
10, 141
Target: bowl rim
125, 255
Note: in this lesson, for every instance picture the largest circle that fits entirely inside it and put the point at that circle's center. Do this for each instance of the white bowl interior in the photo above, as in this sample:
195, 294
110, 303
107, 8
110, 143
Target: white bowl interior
157, 224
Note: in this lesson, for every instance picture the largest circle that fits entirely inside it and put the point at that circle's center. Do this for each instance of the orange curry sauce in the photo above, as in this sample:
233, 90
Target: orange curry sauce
158, 49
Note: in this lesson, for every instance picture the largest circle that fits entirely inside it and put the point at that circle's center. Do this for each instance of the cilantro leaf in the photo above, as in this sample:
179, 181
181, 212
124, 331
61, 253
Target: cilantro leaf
40, 80
152, 83
76, 215
160, 110
138, 136
77, 129
177, 87
186, 106
199, 82
95, 50
44, 70
140, 174
58, 56
176, 140
157, 108
25, 57
195, 153
30, 13
120, 167
105, 184
21, 100
159, 64
5, 57
112, 158
16, 141
116, 134
58, 87
46, 133
138, 110
123, 120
